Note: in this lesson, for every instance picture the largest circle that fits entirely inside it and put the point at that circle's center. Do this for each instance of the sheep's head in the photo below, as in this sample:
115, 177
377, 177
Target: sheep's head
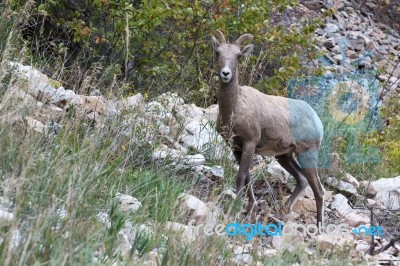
229, 54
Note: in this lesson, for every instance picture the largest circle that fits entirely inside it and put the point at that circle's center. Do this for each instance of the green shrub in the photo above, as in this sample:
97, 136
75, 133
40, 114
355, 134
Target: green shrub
388, 140
155, 46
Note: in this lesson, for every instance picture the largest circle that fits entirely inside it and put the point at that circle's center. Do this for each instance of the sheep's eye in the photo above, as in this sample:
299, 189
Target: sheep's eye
217, 53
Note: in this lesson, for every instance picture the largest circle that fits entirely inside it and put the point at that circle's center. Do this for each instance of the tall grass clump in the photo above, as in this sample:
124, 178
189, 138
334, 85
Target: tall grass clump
58, 184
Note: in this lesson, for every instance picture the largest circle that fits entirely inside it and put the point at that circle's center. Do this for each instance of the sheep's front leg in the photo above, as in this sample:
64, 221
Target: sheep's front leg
253, 207
243, 181
247, 153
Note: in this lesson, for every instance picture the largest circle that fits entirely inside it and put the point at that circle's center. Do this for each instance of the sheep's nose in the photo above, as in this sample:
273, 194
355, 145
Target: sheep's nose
225, 73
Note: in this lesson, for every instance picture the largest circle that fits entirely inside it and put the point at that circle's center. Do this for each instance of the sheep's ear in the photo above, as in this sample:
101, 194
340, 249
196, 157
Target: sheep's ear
215, 43
247, 50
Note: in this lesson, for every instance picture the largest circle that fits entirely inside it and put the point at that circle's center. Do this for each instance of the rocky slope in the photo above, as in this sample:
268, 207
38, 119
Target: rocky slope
34, 103
354, 42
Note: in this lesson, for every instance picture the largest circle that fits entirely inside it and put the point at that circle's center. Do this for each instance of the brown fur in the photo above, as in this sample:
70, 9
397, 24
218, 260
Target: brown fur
257, 123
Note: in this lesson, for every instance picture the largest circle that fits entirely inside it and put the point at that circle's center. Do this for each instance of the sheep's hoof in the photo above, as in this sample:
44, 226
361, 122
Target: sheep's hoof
252, 208
252, 211
242, 215
262, 204
287, 206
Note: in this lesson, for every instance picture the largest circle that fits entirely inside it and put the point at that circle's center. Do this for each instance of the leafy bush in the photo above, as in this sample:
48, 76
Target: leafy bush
158, 46
388, 140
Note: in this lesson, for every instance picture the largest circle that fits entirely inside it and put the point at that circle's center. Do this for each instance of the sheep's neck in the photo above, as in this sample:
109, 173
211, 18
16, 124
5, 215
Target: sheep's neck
228, 96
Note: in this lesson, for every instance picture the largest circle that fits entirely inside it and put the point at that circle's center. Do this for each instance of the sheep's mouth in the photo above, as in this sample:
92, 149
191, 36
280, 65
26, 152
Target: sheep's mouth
226, 80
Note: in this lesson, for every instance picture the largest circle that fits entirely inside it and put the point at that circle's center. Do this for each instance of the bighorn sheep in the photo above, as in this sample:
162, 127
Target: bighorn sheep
257, 123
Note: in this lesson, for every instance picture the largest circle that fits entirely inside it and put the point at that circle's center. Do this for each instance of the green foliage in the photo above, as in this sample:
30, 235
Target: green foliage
388, 139
157, 46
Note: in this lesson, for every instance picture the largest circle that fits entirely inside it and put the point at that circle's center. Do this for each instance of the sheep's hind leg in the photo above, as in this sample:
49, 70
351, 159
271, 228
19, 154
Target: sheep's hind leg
308, 161
289, 164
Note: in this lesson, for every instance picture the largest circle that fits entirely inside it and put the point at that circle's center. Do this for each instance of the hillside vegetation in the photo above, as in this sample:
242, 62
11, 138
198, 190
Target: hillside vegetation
108, 146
